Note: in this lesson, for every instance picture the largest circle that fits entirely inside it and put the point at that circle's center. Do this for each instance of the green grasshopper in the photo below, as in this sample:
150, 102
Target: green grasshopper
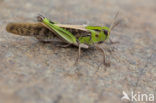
90, 36
77, 35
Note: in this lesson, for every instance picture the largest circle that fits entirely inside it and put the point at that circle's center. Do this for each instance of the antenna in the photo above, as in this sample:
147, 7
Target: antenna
113, 22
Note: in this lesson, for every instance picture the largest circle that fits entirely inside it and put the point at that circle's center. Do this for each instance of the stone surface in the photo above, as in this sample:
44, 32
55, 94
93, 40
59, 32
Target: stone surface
33, 72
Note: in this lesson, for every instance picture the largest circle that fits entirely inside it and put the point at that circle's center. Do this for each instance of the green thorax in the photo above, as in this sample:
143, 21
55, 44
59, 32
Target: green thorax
98, 34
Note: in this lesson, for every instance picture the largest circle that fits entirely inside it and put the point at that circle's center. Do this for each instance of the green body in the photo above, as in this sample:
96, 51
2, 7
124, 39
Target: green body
97, 34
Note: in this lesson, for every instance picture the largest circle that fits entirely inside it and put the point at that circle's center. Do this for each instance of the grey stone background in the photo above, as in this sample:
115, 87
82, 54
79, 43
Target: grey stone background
33, 72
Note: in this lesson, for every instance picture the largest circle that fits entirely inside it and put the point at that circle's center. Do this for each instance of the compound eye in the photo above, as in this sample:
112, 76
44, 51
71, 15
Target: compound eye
105, 32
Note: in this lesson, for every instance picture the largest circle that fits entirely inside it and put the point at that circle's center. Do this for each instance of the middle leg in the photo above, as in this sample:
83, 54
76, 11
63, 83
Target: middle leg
104, 57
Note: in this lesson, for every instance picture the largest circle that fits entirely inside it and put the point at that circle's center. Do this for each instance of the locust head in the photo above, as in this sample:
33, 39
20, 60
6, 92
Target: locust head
106, 32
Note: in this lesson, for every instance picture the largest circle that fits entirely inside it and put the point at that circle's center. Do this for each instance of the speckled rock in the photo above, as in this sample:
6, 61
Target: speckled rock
33, 72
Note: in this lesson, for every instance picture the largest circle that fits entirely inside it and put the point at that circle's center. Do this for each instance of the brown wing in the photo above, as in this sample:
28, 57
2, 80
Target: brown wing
78, 27
26, 29
77, 30
37, 30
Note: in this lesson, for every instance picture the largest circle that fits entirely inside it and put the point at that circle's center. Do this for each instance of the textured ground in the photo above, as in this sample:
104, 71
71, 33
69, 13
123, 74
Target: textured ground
33, 72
